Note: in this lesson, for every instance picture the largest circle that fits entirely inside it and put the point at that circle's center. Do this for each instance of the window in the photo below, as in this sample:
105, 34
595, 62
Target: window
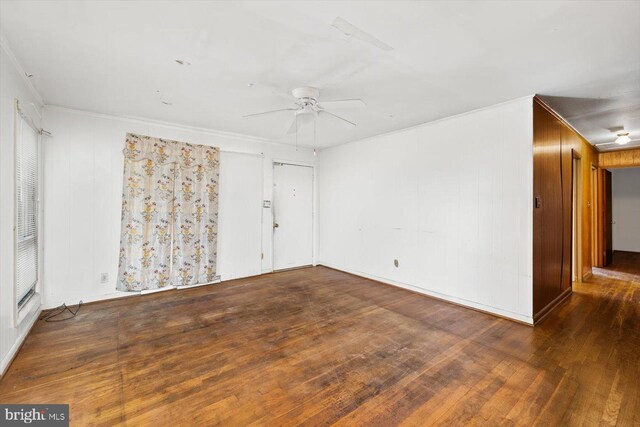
26, 239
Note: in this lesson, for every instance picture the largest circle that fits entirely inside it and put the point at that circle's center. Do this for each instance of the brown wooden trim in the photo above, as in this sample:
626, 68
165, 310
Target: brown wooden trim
622, 158
621, 148
538, 317
479, 310
587, 276
563, 121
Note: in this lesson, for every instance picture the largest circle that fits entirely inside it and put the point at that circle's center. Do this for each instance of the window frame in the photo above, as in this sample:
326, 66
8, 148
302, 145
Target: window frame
23, 305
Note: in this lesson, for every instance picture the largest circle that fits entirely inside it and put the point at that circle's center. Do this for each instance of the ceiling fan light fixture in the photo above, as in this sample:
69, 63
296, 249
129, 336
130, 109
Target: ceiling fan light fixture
623, 138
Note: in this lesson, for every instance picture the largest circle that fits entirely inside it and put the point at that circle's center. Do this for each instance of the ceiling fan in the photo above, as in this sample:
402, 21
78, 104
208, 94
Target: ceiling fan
306, 106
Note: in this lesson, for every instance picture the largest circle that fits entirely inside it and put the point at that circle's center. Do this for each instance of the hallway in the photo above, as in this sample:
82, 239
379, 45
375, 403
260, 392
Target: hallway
624, 266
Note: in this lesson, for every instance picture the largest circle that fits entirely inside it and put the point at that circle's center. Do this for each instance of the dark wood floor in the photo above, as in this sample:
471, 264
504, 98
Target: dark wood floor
627, 263
317, 347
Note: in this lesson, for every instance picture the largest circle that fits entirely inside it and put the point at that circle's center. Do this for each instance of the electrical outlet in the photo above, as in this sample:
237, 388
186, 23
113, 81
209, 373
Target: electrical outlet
104, 277
396, 263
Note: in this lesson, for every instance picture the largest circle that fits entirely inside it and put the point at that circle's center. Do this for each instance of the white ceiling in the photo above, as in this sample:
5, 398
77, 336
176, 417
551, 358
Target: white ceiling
448, 58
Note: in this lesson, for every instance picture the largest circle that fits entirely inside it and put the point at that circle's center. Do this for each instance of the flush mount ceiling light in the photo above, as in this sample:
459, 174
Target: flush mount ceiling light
623, 138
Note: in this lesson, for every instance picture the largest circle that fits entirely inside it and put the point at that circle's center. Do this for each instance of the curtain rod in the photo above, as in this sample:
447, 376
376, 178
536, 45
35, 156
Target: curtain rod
27, 118
246, 153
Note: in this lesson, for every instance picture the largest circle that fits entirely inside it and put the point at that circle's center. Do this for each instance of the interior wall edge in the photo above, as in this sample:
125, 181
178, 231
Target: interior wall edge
13, 351
172, 125
542, 314
434, 122
528, 320
465, 188
20, 69
83, 171
14, 85
562, 119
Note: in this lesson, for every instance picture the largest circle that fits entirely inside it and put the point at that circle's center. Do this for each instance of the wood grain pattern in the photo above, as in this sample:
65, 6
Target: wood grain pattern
589, 159
623, 262
555, 142
317, 346
552, 213
627, 158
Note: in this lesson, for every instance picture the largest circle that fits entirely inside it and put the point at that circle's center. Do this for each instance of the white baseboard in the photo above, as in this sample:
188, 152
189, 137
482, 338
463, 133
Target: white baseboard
6, 361
155, 291
199, 285
93, 298
460, 301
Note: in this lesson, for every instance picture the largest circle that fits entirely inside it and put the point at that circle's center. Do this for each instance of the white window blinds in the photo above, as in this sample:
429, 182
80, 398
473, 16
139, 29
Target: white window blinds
26, 211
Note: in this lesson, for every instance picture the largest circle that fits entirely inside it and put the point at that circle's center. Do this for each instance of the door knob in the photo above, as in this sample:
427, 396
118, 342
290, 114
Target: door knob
276, 225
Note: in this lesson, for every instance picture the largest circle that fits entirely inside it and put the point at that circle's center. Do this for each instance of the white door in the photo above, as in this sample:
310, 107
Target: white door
292, 216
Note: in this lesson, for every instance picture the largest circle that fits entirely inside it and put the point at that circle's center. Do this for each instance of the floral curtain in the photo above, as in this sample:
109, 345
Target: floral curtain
169, 214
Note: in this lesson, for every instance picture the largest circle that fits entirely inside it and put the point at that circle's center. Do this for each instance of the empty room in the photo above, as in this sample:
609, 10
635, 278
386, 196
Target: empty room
360, 213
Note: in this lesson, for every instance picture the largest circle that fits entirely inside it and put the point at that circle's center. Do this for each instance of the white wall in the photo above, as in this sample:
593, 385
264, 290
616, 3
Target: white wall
83, 171
626, 209
12, 87
451, 200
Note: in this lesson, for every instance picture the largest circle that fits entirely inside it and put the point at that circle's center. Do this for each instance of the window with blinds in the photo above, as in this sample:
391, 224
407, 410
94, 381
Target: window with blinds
26, 211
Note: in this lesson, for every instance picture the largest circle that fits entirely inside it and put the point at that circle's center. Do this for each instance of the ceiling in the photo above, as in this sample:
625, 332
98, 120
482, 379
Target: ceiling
447, 58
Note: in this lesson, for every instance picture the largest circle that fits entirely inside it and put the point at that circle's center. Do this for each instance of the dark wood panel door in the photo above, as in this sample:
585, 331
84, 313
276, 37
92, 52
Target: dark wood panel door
607, 220
548, 212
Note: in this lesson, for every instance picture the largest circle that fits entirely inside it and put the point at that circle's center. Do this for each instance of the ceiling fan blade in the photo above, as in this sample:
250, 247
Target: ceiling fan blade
344, 103
351, 30
337, 117
272, 111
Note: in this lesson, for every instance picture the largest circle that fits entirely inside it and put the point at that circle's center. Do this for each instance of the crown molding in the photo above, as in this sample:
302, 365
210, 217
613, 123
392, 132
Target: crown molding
171, 125
20, 70
433, 122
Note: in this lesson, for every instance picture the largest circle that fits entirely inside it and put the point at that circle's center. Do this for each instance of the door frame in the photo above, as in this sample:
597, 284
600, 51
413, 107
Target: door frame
576, 217
595, 217
314, 204
602, 217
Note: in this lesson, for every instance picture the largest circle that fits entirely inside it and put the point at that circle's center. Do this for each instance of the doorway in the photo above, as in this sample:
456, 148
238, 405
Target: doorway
292, 215
619, 204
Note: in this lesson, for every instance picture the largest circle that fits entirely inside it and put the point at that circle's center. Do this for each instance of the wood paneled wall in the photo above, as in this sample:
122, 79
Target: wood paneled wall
588, 158
620, 159
555, 144
549, 211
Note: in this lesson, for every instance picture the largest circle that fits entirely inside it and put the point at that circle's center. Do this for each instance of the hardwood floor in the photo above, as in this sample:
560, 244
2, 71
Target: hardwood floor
318, 347
627, 263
